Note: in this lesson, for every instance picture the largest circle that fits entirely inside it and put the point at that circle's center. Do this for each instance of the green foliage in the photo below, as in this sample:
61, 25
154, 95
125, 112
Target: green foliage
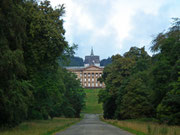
168, 109
32, 86
145, 85
72, 61
136, 99
40, 127
73, 96
126, 86
15, 91
77, 61
105, 62
113, 78
166, 74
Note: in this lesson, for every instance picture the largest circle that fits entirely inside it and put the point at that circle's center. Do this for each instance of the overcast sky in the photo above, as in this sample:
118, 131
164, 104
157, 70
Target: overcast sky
113, 26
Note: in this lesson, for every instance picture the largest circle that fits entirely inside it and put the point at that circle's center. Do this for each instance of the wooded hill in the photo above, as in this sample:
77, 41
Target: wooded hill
77, 61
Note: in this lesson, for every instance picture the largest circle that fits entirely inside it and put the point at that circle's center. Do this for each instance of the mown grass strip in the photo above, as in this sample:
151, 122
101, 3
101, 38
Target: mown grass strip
58, 129
124, 128
41, 127
129, 129
92, 105
141, 127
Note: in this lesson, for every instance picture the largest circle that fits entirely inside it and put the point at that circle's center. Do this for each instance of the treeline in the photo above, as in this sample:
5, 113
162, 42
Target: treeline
32, 85
71, 61
77, 61
105, 62
141, 86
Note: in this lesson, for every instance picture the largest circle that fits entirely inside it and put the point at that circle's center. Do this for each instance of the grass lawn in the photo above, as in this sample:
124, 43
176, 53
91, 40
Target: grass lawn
145, 128
40, 127
92, 105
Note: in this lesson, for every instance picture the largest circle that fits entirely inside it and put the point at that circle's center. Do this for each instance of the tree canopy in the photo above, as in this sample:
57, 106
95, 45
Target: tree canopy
32, 85
148, 86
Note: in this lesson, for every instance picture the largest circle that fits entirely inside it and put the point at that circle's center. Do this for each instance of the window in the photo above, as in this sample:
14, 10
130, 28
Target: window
88, 84
89, 74
96, 84
92, 79
100, 74
100, 84
89, 79
92, 74
92, 84
84, 84
85, 79
84, 74
96, 74
80, 74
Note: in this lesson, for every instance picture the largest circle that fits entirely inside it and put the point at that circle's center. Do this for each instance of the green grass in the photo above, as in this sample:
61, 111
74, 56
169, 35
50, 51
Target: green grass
144, 127
92, 105
50, 127
41, 127
114, 123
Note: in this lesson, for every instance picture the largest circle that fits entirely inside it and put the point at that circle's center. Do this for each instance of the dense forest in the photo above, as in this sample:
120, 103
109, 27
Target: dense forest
71, 61
105, 62
141, 86
32, 85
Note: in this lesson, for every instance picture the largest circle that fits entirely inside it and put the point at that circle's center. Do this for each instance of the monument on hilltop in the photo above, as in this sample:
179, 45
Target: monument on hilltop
92, 60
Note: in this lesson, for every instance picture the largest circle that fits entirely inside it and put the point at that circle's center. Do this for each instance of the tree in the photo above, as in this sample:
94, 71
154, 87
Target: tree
72, 61
113, 76
135, 99
168, 110
127, 85
32, 86
165, 73
15, 89
105, 62
73, 96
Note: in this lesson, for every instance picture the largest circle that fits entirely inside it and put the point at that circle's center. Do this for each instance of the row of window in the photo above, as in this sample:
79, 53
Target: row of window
88, 74
89, 80
92, 85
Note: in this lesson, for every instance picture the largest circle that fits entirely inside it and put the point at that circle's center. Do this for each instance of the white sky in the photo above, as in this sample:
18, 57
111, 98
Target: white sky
113, 26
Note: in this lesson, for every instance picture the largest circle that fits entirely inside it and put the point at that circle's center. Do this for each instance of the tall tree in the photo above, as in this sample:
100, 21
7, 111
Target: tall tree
166, 73
14, 87
126, 84
31, 84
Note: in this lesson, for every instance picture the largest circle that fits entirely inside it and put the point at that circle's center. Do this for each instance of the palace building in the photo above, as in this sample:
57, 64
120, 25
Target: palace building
90, 72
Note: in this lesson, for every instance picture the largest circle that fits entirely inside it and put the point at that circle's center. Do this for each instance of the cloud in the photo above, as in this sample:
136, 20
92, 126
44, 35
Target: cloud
114, 26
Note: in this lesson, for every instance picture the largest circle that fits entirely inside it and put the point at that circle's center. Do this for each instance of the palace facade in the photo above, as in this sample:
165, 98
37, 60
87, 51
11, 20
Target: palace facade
90, 72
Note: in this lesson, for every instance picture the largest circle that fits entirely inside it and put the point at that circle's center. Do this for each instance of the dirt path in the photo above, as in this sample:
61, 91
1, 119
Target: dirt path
91, 125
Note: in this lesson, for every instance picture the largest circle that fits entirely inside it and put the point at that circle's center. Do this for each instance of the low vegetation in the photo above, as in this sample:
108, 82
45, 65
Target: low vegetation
144, 128
40, 127
92, 105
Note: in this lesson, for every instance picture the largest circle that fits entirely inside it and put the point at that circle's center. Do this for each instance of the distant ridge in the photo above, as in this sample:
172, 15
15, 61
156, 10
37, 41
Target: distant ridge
78, 61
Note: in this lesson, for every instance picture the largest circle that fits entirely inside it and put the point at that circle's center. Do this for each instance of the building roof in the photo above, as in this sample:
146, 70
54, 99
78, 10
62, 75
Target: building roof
92, 59
78, 67
82, 68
